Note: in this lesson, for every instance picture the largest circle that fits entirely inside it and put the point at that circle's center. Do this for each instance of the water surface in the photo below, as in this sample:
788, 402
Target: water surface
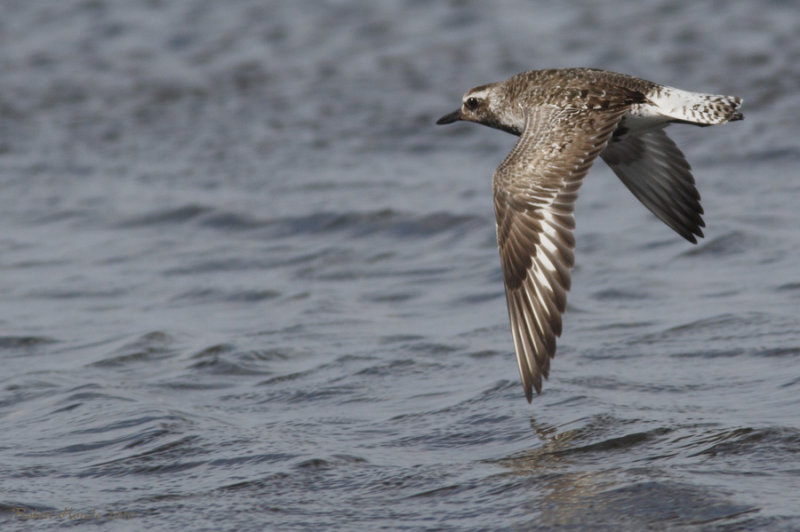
247, 284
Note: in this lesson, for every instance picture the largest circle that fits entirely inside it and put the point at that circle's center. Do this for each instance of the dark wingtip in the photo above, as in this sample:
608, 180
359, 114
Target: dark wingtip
736, 116
692, 234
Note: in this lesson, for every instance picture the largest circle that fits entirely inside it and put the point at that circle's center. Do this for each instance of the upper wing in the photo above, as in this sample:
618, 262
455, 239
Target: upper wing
535, 189
655, 170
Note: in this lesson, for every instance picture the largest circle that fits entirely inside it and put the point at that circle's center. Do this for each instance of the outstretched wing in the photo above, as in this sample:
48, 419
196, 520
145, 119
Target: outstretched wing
535, 189
655, 170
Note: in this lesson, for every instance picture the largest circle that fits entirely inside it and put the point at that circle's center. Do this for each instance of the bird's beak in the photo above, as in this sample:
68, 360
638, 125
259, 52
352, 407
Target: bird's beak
450, 117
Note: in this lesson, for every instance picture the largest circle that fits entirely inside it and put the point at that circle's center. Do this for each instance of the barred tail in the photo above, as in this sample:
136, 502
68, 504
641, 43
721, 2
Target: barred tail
695, 107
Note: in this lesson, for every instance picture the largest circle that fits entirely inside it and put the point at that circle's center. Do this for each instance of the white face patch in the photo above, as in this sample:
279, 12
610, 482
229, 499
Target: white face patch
482, 94
492, 108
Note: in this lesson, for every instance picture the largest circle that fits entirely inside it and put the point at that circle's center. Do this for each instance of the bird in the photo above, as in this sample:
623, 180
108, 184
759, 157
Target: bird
565, 119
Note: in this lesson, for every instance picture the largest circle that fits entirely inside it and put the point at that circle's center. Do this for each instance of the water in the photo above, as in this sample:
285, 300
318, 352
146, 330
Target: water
247, 284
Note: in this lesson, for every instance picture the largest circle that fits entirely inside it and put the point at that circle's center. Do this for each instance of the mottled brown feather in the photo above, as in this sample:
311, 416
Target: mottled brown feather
535, 189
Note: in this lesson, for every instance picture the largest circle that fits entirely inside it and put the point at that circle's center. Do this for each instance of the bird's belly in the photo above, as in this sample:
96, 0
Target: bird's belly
643, 117
638, 121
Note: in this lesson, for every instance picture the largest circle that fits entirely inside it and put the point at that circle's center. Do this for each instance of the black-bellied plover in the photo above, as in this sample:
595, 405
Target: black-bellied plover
565, 118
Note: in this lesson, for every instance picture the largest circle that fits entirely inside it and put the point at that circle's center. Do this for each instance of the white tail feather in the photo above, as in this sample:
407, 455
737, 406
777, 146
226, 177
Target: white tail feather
694, 107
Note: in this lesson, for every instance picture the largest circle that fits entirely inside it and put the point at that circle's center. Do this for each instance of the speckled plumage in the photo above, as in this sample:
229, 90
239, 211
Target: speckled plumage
565, 119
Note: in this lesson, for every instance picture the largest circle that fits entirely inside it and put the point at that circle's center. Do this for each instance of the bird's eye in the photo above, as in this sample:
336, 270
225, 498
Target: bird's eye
471, 104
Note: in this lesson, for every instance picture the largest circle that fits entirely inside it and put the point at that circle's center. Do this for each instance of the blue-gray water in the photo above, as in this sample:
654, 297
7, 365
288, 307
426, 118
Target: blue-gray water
246, 284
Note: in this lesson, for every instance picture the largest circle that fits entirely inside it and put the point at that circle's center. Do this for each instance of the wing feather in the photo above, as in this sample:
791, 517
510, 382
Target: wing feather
655, 170
535, 189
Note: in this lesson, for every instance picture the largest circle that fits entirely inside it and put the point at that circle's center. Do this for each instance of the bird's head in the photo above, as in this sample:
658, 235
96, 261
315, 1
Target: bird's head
488, 105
